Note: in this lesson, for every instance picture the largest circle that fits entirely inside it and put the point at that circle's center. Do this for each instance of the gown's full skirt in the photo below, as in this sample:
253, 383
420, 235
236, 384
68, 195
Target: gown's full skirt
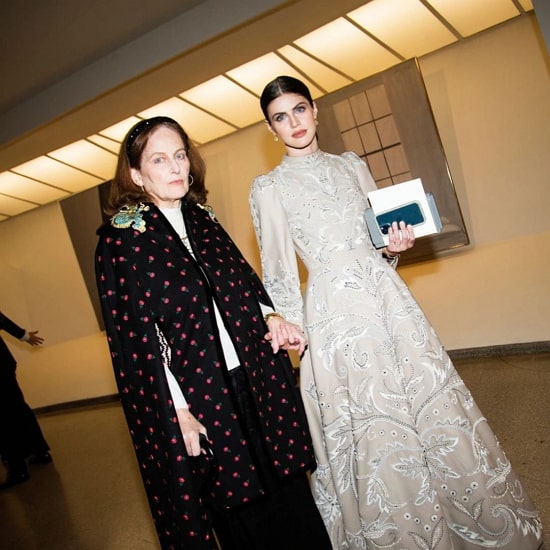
405, 458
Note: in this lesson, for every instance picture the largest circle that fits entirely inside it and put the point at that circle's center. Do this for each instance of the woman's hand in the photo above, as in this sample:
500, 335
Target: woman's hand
285, 335
191, 429
401, 238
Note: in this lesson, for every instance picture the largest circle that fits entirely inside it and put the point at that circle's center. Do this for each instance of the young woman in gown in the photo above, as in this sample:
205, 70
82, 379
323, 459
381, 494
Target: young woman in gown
405, 458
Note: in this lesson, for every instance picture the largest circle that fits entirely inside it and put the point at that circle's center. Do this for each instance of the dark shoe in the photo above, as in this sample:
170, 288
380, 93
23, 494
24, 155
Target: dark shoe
14, 479
42, 458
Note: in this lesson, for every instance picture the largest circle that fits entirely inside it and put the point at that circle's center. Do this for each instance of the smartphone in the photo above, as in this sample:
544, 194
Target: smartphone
410, 213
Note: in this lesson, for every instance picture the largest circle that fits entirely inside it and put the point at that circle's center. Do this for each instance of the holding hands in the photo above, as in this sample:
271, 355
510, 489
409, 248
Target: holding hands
283, 334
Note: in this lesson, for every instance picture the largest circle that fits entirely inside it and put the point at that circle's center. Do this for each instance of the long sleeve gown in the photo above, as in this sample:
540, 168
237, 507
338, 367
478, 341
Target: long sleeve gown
405, 458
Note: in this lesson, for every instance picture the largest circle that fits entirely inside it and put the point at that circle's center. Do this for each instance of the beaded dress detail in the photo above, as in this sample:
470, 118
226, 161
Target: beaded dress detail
405, 458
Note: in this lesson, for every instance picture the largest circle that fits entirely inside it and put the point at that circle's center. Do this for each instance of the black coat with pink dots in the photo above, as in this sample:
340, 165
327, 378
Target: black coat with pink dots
157, 303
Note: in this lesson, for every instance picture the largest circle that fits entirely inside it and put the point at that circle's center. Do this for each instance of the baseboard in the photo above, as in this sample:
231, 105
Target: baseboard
78, 404
527, 348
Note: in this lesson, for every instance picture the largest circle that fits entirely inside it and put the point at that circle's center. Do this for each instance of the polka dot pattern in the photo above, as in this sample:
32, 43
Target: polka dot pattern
149, 282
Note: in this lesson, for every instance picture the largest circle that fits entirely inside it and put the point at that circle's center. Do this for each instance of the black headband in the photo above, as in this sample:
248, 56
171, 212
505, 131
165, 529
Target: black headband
143, 125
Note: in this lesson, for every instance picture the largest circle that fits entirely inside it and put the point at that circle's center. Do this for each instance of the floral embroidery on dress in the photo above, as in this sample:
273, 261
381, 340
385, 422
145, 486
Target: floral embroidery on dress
130, 215
405, 459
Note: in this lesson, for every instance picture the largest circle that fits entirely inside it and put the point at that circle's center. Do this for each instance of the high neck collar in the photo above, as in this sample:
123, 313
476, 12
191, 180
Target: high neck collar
307, 160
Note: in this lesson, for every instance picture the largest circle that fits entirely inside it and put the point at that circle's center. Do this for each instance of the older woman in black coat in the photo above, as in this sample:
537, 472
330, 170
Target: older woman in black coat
198, 355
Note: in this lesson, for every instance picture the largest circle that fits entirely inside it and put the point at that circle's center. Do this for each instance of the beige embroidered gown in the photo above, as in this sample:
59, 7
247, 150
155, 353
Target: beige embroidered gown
405, 458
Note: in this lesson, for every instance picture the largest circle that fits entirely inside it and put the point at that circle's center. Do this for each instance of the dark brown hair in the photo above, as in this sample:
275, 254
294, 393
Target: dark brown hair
123, 190
283, 85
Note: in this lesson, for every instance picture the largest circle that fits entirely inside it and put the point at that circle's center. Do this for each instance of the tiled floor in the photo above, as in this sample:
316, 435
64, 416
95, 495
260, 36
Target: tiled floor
91, 497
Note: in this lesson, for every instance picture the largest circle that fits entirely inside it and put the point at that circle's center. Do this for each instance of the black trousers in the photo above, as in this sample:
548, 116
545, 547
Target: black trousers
287, 517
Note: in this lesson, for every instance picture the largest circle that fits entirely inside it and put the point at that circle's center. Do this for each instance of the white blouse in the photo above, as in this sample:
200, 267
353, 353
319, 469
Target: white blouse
175, 217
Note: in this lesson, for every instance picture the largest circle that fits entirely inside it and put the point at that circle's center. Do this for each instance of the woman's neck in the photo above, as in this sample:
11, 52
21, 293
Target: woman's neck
309, 149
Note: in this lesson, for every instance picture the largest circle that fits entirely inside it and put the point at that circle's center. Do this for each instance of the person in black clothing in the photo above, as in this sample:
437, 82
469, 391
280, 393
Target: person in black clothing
199, 353
20, 433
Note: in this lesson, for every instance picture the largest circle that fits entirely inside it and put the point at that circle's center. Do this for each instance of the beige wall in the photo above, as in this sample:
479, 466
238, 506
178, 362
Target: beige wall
41, 288
491, 101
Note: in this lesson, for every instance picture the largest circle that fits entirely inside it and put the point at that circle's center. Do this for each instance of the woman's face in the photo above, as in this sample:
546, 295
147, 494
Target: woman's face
164, 172
292, 119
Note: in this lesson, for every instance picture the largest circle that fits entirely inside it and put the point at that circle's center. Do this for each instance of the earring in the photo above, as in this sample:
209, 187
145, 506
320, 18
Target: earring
275, 138
316, 122
190, 179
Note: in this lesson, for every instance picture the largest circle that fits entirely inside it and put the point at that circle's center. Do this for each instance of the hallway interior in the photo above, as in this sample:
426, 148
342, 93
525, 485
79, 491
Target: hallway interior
91, 497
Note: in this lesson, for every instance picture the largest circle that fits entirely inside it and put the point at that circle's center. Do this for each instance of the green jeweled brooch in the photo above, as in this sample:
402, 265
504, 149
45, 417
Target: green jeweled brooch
130, 215
210, 211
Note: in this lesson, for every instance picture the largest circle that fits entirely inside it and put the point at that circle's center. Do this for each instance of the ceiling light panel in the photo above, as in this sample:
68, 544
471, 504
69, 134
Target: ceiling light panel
57, 174
88, 157
200, 126
255, 74
25, 188
119, 130
12, 207
106, 143
225, 99
338, 43
407, 26
328, 79
471, 16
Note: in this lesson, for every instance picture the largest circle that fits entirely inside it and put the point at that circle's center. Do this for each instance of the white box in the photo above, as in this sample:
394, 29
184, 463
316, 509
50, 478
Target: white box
406, 202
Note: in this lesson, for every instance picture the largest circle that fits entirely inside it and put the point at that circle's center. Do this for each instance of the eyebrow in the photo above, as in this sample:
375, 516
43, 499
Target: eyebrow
165, 153
292, 109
